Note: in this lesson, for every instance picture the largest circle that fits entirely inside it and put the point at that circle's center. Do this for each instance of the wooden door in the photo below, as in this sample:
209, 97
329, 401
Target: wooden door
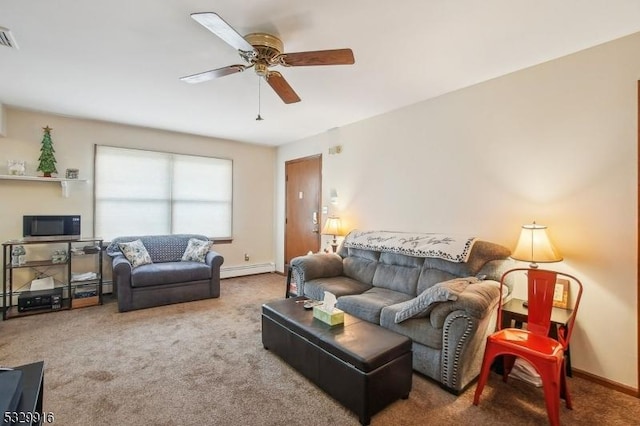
303, 189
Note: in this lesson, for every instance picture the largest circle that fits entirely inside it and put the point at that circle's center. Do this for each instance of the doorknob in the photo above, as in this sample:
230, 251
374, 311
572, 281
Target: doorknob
315, 218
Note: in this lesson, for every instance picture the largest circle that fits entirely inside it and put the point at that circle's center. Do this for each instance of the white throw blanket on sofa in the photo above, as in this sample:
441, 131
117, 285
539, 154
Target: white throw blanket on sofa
454, 248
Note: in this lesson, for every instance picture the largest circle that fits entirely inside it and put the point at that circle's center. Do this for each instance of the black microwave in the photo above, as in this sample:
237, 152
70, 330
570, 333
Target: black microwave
51, 226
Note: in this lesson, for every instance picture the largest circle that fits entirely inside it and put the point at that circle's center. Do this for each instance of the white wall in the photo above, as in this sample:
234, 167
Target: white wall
73, 141
556, 143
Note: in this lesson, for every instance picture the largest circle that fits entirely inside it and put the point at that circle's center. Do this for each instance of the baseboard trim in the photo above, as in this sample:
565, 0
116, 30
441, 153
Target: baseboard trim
606, 383
238, 271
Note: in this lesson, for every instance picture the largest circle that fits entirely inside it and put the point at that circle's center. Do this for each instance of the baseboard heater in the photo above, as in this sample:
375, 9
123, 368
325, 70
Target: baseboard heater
237, 271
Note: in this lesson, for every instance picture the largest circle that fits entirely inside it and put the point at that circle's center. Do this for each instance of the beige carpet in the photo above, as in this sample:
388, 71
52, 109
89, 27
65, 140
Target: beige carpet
202, 363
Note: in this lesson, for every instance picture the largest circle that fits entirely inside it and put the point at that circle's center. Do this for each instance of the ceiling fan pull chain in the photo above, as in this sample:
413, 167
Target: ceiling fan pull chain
259, 118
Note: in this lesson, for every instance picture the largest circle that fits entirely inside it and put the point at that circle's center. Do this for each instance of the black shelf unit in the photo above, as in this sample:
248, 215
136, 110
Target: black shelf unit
74, 249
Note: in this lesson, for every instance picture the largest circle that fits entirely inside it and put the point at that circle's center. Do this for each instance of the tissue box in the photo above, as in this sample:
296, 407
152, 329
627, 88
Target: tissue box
332, 318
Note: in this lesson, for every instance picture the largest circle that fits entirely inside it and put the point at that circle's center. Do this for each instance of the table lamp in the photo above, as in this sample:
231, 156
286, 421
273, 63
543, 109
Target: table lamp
534, 246
333, 227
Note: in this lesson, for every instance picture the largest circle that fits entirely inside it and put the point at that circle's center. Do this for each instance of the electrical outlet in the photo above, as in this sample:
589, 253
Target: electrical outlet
246, 257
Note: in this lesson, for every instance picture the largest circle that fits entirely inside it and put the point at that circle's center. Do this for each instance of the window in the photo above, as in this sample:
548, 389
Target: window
141, 192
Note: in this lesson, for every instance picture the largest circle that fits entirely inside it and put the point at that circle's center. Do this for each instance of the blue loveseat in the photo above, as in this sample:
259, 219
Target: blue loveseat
168, 279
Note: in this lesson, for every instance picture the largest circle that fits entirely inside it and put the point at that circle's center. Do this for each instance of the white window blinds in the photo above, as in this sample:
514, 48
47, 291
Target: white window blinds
141, 192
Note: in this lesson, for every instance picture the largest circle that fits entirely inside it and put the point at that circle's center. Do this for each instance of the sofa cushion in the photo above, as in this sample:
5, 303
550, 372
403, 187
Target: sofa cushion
368, 305
361, 265
339, 286
169, 273
421, 305
398, 272
196, 250
437, 270
135, 252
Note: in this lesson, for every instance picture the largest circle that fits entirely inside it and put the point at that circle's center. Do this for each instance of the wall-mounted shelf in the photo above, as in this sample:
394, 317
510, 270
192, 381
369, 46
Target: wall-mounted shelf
63, 181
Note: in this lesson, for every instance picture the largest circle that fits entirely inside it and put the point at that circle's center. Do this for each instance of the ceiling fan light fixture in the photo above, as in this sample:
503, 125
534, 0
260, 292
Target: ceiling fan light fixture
261, 68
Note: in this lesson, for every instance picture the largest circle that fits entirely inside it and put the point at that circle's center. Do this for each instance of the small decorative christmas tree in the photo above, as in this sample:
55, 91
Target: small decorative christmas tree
47, 160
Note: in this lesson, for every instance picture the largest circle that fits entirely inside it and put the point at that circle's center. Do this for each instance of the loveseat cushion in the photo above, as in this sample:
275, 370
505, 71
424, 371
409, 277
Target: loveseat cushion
169, 273
136, 253
339, 286
196, 250
368, 305
161, 248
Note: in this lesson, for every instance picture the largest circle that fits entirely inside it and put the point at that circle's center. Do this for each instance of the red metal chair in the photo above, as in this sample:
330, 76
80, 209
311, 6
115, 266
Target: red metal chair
546, 354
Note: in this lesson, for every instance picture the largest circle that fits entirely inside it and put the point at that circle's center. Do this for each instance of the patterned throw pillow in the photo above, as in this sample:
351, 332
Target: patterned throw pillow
196, 250
135, 252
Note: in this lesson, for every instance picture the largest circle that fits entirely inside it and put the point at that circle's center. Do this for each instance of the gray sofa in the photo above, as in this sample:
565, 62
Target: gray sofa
167, 279
382, 284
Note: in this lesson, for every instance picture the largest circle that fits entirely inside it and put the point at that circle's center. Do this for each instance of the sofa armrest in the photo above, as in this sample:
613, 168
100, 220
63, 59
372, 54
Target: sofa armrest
465, 324
214, 260
121, 268
478, 300
463, 341
121, 280
313, 266
318, 265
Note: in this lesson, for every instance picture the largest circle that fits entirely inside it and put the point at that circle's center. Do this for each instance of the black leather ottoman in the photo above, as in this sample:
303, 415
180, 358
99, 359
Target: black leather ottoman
363, 366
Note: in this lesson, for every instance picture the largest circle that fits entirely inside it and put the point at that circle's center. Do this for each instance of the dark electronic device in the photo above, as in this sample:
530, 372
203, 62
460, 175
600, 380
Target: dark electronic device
51, 226
40, 299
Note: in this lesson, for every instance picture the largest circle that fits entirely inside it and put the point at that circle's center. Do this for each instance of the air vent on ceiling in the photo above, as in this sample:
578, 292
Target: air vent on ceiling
6, 38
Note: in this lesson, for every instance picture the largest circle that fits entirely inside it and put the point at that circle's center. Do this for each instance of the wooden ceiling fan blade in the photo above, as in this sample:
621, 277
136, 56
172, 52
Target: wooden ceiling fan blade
319, 57
210, 75
282, 88
214, 23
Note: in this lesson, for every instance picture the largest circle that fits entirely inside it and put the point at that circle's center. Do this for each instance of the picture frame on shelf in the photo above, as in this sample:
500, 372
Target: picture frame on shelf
561, 294
16, 167
71, 174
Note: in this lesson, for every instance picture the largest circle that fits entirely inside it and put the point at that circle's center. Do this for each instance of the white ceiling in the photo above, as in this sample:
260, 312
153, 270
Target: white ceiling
120, 60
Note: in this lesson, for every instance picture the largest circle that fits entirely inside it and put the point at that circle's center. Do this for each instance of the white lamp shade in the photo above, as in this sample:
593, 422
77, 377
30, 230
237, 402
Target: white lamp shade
332, 226
534, 246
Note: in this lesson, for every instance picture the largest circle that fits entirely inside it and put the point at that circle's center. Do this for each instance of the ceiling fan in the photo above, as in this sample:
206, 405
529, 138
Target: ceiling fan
261, 51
